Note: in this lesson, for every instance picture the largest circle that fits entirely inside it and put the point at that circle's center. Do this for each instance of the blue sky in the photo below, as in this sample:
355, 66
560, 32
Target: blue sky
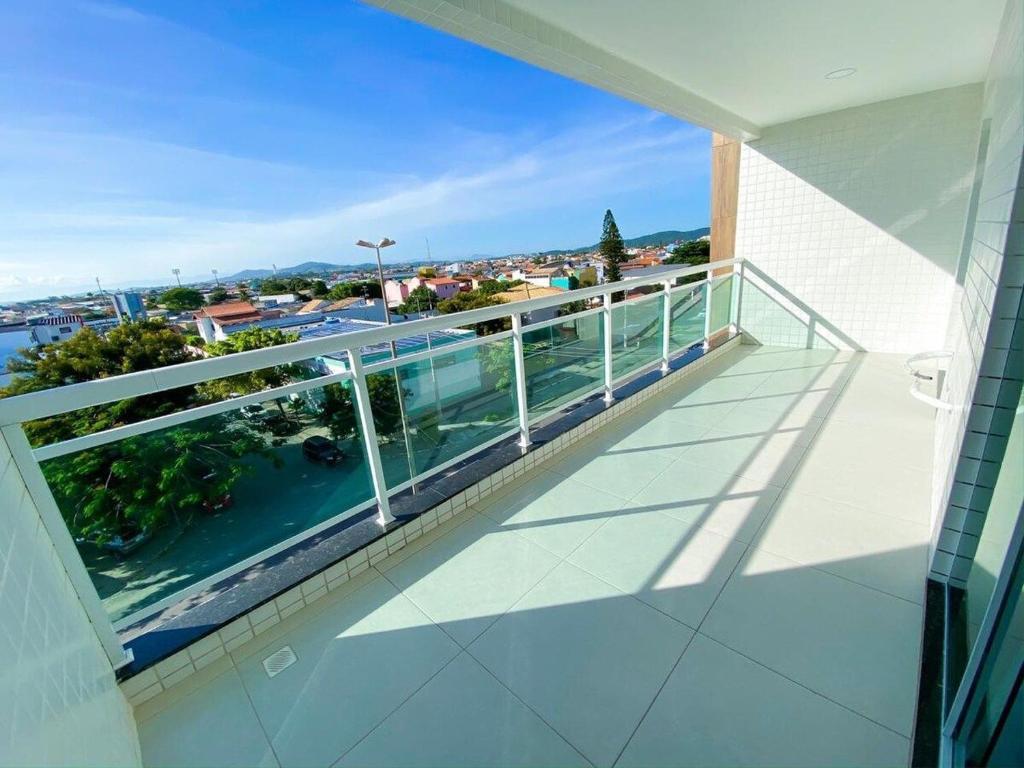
139, 137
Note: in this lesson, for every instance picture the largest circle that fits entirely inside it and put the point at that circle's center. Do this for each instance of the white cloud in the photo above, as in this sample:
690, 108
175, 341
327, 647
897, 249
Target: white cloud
116, 218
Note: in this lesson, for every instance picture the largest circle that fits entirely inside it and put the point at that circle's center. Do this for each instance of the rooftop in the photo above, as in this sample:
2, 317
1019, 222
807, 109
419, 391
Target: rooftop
677, 590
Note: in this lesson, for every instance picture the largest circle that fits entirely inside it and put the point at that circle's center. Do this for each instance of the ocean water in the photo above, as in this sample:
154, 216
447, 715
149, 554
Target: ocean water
10, 343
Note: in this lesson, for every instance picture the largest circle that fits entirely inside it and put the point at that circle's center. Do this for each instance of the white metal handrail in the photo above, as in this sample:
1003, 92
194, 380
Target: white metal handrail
17, 410
50, 402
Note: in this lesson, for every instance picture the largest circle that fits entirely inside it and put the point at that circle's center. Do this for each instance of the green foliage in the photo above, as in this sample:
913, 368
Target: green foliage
466, 300
338, 412
691, 253
318, 289
181, 299
538, 260
218, 295
253, 381
611, 249
588, 277
420, 299
368, 288
491, 287
498, 364
128, 348
141, 482
243, 292
426, 272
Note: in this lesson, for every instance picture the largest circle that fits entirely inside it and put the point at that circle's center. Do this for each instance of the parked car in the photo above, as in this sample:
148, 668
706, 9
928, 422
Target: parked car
212, 506
254, 412
321, 450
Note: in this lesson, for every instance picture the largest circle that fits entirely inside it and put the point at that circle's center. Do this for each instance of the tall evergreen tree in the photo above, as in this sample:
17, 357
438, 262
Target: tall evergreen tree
611, 249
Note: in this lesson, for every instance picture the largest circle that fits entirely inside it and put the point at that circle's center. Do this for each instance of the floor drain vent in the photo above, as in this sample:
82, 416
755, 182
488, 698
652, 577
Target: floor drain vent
279, 661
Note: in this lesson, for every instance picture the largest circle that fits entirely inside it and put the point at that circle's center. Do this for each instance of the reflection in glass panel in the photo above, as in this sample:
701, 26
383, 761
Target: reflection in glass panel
968, 607
688, 307
637, 328
563, 361
721, 303
156, 513
1001, 671
454, 402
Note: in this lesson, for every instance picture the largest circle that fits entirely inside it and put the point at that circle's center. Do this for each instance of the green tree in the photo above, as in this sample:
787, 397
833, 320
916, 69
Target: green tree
253, 381
588, 277
272, 285
426, 272
243, 292
691, 253
218, 295
181, 299
420, 299
368, 288
140, 483
128, 348
318, 289
466, 300
611, 249
338, 412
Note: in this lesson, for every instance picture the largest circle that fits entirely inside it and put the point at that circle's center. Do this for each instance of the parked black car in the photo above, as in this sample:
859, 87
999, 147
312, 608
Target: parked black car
321, 450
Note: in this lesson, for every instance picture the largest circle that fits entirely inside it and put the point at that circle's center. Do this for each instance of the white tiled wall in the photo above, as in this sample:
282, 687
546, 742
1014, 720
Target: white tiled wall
59, 704
859, 215
985, 371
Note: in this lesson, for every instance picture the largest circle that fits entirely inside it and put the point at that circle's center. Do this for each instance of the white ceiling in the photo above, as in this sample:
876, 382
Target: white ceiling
765, 60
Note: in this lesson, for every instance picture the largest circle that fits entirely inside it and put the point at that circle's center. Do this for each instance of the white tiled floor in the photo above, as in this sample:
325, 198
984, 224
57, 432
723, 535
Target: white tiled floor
732, 575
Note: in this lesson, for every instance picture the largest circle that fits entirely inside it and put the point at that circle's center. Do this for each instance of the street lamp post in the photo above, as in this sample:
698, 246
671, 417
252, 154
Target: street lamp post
386, 243
177, 273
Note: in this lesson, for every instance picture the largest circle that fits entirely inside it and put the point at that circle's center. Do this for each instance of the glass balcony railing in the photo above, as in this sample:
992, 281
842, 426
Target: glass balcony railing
564, 361
637, 332
239, 457
689, 304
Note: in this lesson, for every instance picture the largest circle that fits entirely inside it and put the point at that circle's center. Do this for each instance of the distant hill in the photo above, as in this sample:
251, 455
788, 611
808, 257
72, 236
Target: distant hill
655, 238
305, 268
321, 267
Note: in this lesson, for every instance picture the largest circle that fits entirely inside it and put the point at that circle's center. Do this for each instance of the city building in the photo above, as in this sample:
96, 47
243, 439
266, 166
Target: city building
54, 328
774, 516
129, 306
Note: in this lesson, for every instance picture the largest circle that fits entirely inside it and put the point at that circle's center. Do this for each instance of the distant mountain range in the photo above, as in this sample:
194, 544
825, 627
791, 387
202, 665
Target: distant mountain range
644, 241
320, 267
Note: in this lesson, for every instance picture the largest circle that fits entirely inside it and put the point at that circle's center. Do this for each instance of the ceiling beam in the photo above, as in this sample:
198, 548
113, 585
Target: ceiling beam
497, 25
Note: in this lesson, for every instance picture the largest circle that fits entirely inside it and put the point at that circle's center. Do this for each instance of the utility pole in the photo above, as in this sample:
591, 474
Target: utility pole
215, 278
177, 273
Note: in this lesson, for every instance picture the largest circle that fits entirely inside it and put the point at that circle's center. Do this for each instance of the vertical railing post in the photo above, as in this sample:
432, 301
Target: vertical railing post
608, 375
708, 289
380, 486
25, 464
520, 369
666, 331
738, 275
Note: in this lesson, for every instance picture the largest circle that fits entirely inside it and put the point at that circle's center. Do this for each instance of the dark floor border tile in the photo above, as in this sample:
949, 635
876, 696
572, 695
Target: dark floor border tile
172, 629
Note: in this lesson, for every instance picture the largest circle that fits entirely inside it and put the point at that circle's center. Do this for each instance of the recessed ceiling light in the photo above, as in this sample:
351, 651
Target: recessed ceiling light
839, 74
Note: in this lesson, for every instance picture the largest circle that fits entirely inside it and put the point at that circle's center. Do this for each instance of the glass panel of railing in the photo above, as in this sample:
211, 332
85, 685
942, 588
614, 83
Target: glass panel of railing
453, 402
563, 361
637, 327
688, 306
156, 513
721, 303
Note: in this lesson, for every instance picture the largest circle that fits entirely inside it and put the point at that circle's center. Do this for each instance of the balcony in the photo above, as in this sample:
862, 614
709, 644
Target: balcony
734, 568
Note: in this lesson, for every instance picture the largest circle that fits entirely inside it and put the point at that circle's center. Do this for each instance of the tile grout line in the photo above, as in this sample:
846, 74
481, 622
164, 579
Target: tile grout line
525, 704
674, 666
396, 708
805, 687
